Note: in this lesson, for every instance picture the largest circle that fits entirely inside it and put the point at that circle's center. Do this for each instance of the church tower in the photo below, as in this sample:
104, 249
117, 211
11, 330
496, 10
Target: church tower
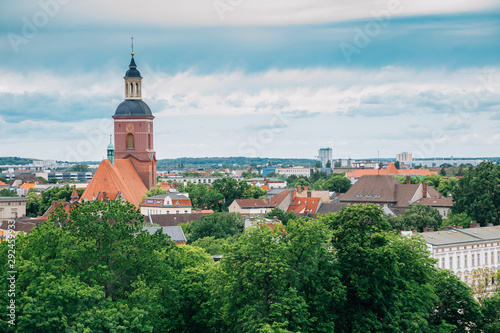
133, 128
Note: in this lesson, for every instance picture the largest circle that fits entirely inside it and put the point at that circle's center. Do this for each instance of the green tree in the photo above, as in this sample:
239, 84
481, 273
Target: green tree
413, 179
155, 191
254, 192
215, 246
328, 164
490, 309
276, 281
218, 225
388, 277
62, 194
442, 172
460, 219
338, 183
281, 215
418, 217
318, 165
3, 179
447, 186
33, 204
478, 194
230, 190
7, 193
396, 164
455, 304
79, 168
433, 180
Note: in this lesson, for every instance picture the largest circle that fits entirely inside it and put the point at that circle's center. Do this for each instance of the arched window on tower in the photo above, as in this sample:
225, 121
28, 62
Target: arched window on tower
130, 141
136, 90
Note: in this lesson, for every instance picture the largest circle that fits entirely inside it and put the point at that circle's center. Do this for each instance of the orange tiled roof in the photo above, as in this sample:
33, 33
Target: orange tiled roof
122, 177
27, 186
2, 183
261, 203
390, 170
304, 205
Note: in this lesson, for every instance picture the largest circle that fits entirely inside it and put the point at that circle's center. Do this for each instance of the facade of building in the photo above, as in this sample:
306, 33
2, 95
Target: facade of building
325, 155
390, 170
297, 171
169, 203
438, 162
464, 250
12, 207
404, 157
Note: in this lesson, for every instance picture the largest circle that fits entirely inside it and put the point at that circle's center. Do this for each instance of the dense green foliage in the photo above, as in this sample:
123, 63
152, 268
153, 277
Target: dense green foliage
96, 271
218, 225
37, 206
418, 217
221, 194
478, 194
16, 161
334, 182
281, 215
7, 193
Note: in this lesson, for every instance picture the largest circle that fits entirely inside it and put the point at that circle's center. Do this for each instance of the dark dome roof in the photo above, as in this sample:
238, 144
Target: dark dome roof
132, 72
133, 108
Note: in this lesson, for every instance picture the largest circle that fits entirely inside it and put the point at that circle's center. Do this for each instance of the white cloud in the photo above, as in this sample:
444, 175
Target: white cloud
237, 12
359, 111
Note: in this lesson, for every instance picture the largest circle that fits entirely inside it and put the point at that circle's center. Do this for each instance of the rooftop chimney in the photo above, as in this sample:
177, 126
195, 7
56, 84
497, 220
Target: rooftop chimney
408, 180
424, 190
299, 188
306, 188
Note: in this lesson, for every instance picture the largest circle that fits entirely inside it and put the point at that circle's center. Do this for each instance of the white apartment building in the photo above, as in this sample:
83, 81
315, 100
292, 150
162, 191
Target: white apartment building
464, 250
170, 203
297, 171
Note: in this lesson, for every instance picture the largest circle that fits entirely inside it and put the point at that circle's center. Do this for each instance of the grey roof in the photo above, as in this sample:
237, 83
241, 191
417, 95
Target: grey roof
133, 108
172, 195
132, 72
174, 219
175, 232
331, 207
462, 236
13, 199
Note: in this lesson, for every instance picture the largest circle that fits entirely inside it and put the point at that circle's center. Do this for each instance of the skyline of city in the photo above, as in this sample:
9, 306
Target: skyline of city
250, 79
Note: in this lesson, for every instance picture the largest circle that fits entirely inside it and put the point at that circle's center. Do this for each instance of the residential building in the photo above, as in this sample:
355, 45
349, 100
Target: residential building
443, 205
166, 220
437, 162
169, 203
11, 228
387, 191
297, 171
268, 170
12, 207
307, 193
259, 222
464, 250
262, 206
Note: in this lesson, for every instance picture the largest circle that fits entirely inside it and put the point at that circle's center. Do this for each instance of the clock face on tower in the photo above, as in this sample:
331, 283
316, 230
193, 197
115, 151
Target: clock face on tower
130, 128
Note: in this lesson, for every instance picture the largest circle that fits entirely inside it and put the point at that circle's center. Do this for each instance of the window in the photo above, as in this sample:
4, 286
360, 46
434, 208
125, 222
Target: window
478, 260
486, 258
451, 262
458, 261
130, 141
465, 260
498, 257
442, 262
472, 258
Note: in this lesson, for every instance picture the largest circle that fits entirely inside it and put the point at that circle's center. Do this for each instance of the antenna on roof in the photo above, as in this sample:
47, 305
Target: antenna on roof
132, 46
378, 162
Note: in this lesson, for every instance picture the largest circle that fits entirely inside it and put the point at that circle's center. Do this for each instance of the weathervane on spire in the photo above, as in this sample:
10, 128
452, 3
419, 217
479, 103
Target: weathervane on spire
132, 46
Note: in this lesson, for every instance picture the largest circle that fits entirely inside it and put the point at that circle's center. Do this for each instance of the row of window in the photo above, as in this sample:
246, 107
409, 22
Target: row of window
472, 260
159, 212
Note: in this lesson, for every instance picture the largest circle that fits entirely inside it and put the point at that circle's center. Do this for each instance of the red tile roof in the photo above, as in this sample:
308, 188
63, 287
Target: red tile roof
122, 178
261, 203
304, 205
390, 170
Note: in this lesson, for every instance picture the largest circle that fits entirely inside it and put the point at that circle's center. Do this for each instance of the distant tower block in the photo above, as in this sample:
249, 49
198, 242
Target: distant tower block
325, 155
404, 157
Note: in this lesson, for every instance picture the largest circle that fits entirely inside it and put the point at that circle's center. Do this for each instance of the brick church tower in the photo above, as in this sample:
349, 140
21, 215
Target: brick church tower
134, 128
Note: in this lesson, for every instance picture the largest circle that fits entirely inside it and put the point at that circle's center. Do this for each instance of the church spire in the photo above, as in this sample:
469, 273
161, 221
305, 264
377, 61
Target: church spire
133, 80
111, 151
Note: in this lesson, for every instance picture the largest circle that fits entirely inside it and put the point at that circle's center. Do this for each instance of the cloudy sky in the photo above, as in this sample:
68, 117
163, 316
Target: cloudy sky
268, 78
